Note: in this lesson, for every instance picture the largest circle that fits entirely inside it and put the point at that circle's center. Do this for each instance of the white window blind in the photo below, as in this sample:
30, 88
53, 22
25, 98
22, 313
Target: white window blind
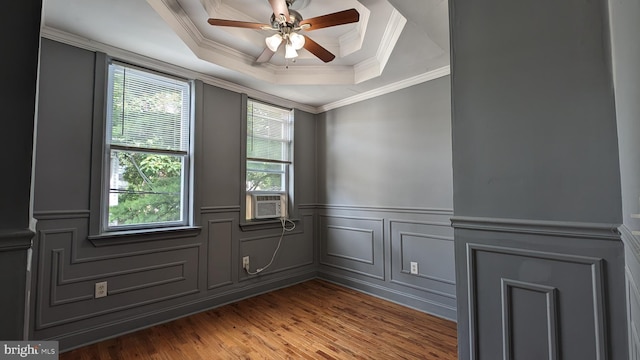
149, 110
268, 133
147, 142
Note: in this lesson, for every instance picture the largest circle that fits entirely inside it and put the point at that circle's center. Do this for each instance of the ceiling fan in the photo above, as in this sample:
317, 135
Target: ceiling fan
288, 23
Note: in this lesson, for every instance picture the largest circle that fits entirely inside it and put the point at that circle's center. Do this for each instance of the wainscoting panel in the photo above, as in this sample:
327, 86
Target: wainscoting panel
354, 244
430, 245
153, 281
219, 251
134, 280
296, 248
538, 291
529, 319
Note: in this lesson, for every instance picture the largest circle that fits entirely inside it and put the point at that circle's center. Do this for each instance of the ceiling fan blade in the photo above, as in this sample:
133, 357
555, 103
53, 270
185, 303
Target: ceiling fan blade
280, 8
338, 18
317, 50
240, 24
266, 55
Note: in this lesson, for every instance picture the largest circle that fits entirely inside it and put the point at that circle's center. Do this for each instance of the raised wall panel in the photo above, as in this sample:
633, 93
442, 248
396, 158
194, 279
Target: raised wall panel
430, 244
296, 249
523, 322
529, 321
354, 244
219, 240
66, 288
350, 243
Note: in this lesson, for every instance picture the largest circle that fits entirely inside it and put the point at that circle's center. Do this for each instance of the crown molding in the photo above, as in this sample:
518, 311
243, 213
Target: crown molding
220, 9
352, 41
374, 66
415, 80
147, 62
224, 56
390, 37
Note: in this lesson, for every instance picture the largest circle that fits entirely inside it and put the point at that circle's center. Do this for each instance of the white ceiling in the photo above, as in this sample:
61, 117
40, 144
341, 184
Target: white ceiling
396, 43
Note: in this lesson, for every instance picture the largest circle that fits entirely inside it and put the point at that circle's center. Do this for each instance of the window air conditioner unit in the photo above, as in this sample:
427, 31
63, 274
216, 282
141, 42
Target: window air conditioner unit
266, 206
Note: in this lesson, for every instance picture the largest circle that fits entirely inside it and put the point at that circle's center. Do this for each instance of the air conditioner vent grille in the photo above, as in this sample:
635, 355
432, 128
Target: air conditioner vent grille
267, 197
267, 206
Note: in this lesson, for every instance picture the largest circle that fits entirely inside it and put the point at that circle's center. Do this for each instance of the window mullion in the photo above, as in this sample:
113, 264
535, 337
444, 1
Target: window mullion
148, 150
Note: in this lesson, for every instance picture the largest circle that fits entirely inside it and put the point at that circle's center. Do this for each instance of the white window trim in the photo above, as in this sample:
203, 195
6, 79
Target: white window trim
107, 147
246, 222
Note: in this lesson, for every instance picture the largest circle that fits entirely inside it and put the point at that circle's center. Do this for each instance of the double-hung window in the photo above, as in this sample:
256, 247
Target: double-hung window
269, 151
147, 153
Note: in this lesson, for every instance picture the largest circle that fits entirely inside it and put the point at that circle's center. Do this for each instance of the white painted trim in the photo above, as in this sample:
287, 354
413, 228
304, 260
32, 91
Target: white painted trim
373, 67
213, 52
390, 38
415, 80
145, 61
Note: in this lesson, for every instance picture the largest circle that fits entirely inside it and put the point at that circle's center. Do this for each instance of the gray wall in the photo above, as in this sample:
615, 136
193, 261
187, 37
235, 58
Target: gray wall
151, 279
625, 24
385, 196
19, 73
536, 182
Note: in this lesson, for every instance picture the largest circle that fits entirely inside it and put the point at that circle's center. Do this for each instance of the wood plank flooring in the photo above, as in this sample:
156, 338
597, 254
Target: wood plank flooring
312, 320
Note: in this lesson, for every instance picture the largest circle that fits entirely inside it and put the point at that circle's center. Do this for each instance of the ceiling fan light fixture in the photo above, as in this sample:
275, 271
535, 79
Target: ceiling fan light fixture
297, 41
273, 42
290, 52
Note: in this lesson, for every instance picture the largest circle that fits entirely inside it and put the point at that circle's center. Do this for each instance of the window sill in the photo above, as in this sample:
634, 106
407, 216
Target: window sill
134, 236
253, 225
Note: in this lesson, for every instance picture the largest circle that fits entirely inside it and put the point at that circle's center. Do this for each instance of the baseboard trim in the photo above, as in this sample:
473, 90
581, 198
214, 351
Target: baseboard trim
411, 301
539, 227
84, 337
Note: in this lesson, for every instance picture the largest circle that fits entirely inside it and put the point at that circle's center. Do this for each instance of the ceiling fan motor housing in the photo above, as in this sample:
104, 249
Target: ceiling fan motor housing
292, 22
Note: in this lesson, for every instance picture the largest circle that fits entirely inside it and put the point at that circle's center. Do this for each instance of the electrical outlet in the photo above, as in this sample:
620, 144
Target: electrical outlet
245, 263
414, 267
101, 289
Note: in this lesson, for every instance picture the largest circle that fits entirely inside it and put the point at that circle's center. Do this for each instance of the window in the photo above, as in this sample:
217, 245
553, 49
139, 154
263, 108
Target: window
147, 149
269, 152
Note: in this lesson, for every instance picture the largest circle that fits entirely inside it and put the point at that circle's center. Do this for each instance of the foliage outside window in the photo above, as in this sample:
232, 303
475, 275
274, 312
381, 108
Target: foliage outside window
269, 148
148, 149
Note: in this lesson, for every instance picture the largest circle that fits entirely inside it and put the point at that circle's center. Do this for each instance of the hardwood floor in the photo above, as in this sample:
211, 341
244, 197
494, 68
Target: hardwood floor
312, 320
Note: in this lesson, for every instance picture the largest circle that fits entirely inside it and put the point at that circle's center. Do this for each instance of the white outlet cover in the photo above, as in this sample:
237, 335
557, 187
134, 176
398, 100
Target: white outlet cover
414, 267
101, 289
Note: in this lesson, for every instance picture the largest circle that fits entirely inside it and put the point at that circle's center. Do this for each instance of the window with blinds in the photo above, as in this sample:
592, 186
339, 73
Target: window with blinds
148, 148
269, 147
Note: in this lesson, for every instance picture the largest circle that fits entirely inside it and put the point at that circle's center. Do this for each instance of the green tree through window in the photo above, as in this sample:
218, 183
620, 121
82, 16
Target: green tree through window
148, 146
269, 149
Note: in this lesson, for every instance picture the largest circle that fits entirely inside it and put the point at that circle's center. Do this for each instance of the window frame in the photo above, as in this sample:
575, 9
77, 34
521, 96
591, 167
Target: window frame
246, 221
101, 226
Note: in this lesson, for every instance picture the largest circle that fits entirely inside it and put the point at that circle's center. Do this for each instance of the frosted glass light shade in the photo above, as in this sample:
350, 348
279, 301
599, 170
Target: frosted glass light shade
273, 42
297, 41
290, 52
